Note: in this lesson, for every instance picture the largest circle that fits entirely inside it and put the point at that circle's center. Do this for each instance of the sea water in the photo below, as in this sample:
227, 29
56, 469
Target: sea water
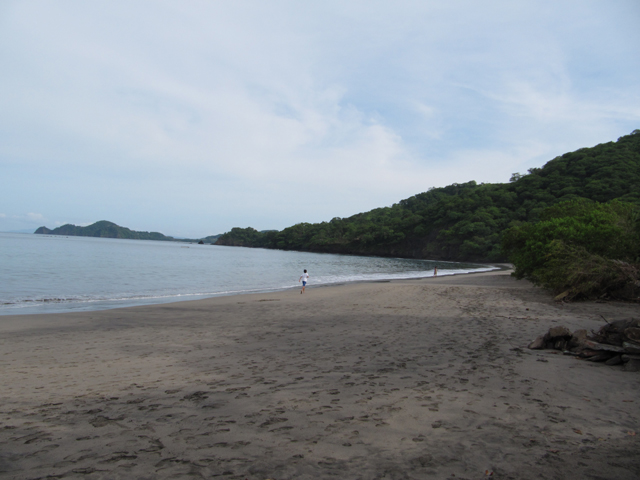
46, 274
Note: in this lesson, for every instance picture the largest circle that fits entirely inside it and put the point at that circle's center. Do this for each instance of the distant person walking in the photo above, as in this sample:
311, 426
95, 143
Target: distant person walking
304, 278
435, 272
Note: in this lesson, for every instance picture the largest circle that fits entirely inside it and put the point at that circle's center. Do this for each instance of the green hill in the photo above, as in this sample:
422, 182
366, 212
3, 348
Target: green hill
211, 239
464, 222
103, 229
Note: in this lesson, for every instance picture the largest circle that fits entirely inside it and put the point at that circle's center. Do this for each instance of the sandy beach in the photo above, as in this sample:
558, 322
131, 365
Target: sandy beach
415, 379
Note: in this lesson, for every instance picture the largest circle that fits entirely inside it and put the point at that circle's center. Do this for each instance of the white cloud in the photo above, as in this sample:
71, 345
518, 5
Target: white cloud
171, 115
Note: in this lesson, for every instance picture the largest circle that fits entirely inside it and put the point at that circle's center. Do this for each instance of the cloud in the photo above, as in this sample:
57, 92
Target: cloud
21, 221
35, 217
197, 117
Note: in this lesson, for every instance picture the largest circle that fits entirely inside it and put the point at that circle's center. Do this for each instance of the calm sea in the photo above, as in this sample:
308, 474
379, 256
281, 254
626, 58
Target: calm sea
45, 274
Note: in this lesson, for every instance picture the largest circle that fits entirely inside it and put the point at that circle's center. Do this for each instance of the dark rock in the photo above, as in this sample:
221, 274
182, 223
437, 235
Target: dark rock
613, 339
578, 338
631, 347
626, 357
619, 326
602, 346
614, 343
616, 360
633, 334
600, 357
586, 353
537, 344
633, 365
558, 332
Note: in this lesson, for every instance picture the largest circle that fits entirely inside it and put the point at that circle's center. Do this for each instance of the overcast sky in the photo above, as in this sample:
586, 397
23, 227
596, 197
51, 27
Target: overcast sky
192, 117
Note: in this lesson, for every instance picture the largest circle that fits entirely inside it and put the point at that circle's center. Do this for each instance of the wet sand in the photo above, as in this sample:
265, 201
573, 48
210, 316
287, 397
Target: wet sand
411, 379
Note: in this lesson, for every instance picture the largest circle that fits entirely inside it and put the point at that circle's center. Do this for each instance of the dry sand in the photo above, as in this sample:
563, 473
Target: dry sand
399, 380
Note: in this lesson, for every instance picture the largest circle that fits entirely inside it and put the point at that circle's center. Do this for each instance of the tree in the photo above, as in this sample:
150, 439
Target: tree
584, 247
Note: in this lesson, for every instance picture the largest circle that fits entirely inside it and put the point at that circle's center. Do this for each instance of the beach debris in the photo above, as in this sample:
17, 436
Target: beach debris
615, 343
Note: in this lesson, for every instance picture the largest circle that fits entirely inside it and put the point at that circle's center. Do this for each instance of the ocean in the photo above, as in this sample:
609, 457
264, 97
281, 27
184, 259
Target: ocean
47, 274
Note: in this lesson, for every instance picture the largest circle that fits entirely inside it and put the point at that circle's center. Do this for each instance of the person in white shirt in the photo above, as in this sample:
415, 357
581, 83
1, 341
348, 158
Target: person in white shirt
304, 278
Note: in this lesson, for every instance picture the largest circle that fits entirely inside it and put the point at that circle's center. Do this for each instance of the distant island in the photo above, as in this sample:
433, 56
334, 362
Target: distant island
106, 229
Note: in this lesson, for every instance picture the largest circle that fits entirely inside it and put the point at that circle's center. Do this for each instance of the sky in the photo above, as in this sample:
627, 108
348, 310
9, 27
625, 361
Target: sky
192, 117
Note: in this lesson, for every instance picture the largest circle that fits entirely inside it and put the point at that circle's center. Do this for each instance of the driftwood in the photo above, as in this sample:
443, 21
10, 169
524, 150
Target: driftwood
616, 343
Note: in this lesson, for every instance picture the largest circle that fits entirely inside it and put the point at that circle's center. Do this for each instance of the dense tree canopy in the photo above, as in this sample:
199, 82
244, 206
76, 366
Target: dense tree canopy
582, 247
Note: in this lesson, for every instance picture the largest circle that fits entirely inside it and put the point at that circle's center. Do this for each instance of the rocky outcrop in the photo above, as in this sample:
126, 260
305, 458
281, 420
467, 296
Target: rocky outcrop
616, 343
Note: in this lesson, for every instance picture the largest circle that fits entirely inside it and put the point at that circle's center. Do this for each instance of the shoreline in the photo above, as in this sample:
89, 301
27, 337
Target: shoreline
59, 306
407, 379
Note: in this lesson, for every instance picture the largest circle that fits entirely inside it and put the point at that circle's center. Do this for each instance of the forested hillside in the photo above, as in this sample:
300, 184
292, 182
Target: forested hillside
464, 222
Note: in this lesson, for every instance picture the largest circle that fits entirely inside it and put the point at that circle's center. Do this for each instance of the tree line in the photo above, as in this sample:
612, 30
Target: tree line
466, 222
